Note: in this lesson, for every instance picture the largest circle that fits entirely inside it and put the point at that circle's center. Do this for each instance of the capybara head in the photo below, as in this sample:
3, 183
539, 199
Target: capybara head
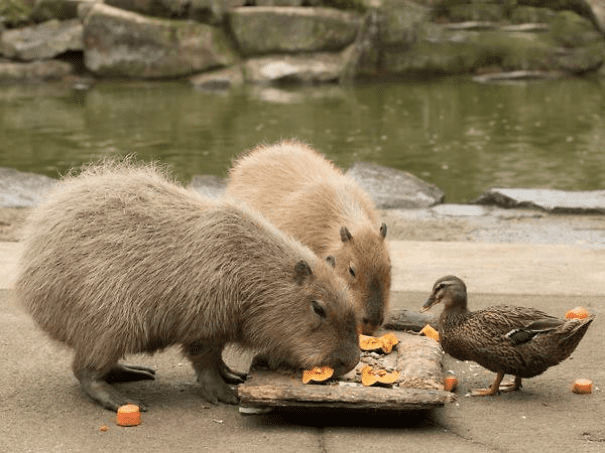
363, 261
313, 322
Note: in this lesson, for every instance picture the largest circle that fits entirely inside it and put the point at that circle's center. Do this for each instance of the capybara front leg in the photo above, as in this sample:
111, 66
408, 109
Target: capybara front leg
209, 367
129, 373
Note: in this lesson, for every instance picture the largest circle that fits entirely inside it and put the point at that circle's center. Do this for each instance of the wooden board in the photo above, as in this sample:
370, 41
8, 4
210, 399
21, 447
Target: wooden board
420, 386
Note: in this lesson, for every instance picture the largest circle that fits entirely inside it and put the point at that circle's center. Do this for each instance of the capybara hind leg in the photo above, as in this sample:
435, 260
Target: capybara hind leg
129, 373
94, 385
209, 367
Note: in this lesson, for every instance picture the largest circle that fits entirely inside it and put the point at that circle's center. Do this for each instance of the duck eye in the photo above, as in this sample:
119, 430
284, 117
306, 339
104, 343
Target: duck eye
351, 270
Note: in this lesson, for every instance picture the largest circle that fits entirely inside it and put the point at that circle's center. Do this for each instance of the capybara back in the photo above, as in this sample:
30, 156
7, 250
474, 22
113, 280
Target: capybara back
122, 260
305, 195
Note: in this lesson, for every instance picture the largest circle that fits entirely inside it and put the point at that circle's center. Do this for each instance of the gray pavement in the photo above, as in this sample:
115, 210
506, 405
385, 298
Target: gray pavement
43, 410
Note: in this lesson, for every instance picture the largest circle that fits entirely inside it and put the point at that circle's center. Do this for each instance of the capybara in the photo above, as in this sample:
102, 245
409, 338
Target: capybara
122, 260
307, 196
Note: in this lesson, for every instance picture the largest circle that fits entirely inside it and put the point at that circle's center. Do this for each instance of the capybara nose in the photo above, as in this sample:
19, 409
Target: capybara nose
342, 366
370, 325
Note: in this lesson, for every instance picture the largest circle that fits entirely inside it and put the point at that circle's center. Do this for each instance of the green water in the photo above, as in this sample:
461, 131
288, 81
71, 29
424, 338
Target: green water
462, 136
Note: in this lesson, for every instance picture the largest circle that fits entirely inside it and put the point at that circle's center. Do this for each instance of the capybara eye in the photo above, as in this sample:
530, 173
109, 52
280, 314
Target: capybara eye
319, 309
351, 270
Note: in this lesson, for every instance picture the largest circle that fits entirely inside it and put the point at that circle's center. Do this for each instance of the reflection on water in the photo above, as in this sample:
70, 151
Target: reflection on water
460, 135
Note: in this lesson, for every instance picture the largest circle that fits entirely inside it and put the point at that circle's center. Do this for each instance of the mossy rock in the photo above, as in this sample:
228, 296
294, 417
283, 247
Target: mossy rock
570, 30
14, 13
483, 12
531, 14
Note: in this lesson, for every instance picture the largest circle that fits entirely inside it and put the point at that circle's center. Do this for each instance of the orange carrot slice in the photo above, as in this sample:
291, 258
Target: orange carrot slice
317, 374
430, 332
129, 415
450, 383
582, 386
577, 312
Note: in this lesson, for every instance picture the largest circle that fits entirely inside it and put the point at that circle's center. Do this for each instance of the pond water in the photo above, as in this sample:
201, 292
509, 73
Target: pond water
460, 135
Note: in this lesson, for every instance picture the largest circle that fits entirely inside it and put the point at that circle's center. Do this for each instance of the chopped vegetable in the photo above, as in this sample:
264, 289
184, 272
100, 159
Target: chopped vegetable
129, 415
577, 312
384, 343
317, 374
430, 332
370, 377
582, 386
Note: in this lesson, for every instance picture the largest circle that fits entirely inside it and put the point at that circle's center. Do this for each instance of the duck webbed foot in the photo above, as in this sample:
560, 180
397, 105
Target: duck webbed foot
496, 388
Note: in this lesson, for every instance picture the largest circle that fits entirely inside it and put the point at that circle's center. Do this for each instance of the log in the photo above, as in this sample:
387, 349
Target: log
417, 358
409, 320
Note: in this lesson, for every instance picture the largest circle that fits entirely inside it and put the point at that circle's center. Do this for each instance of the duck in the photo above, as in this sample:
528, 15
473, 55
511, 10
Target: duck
519, 341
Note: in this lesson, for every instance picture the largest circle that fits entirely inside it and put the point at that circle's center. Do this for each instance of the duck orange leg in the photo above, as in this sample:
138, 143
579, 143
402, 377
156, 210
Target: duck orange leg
511, 386
493, 389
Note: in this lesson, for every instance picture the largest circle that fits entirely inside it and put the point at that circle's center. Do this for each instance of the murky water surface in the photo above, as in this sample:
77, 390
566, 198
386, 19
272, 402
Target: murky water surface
462, 136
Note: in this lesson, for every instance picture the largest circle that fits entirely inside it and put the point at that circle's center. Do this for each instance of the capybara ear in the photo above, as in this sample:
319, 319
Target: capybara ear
383, 230
302, 271
331, 260
345, 234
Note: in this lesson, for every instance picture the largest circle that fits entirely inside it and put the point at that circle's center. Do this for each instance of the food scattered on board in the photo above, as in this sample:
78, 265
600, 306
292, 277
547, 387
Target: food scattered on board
582, 386
103, 428
450, 382
430, 332
577, 312
370, 376
384, 343
129, 415
317, 374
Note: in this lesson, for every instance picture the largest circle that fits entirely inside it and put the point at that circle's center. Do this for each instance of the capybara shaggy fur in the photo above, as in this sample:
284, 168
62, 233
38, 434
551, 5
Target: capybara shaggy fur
305, 195
121, 260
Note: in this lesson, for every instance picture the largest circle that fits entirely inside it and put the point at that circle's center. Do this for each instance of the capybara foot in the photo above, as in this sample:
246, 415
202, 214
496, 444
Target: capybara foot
214, 389
231, 376
129, 373
104, 394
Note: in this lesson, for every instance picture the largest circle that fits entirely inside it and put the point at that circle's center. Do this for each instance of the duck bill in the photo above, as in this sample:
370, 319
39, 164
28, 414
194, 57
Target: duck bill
428, 304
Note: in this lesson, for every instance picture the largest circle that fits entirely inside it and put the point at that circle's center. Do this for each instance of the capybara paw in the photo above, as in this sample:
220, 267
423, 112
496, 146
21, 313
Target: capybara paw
231, 376
215, 390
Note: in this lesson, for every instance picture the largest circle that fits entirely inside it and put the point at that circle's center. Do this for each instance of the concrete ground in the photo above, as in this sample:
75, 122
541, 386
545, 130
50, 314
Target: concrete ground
43, 410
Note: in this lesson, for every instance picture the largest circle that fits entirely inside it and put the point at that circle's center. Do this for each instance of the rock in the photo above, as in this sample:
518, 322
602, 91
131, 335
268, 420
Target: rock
34, 71
556, 201
22, 190
205, 11
272, 30
125, 44
221, 80
305, 69
211, 186
43, 41
598, 14
44, 10
394, 189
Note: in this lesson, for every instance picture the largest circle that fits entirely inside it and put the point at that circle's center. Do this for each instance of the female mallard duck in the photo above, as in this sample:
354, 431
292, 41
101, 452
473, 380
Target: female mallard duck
520, 341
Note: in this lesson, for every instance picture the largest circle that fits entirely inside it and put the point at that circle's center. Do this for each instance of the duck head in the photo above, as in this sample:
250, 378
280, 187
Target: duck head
450, 290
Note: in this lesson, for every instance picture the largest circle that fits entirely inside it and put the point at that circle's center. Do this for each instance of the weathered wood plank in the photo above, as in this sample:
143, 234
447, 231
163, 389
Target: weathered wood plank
420, 386
409, 320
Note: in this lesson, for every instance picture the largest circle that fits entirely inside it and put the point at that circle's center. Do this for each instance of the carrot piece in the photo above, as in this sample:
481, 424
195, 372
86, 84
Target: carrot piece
128, 415
317, 374
389, 340
582, 386
430, 332
368, 377
577, 312
450, 383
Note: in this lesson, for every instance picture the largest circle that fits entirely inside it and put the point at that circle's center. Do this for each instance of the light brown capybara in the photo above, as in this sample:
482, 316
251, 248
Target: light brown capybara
120, 260
305, 195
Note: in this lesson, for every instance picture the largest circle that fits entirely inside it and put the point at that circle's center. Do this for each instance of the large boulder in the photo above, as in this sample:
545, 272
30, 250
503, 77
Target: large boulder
22, 190
305, 69
272, 30
558, 201
395, 189
34, 71
42, 41
125, 44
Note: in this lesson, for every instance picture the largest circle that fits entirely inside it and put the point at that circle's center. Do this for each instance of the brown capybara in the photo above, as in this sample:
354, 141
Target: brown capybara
305, 195
120, 260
